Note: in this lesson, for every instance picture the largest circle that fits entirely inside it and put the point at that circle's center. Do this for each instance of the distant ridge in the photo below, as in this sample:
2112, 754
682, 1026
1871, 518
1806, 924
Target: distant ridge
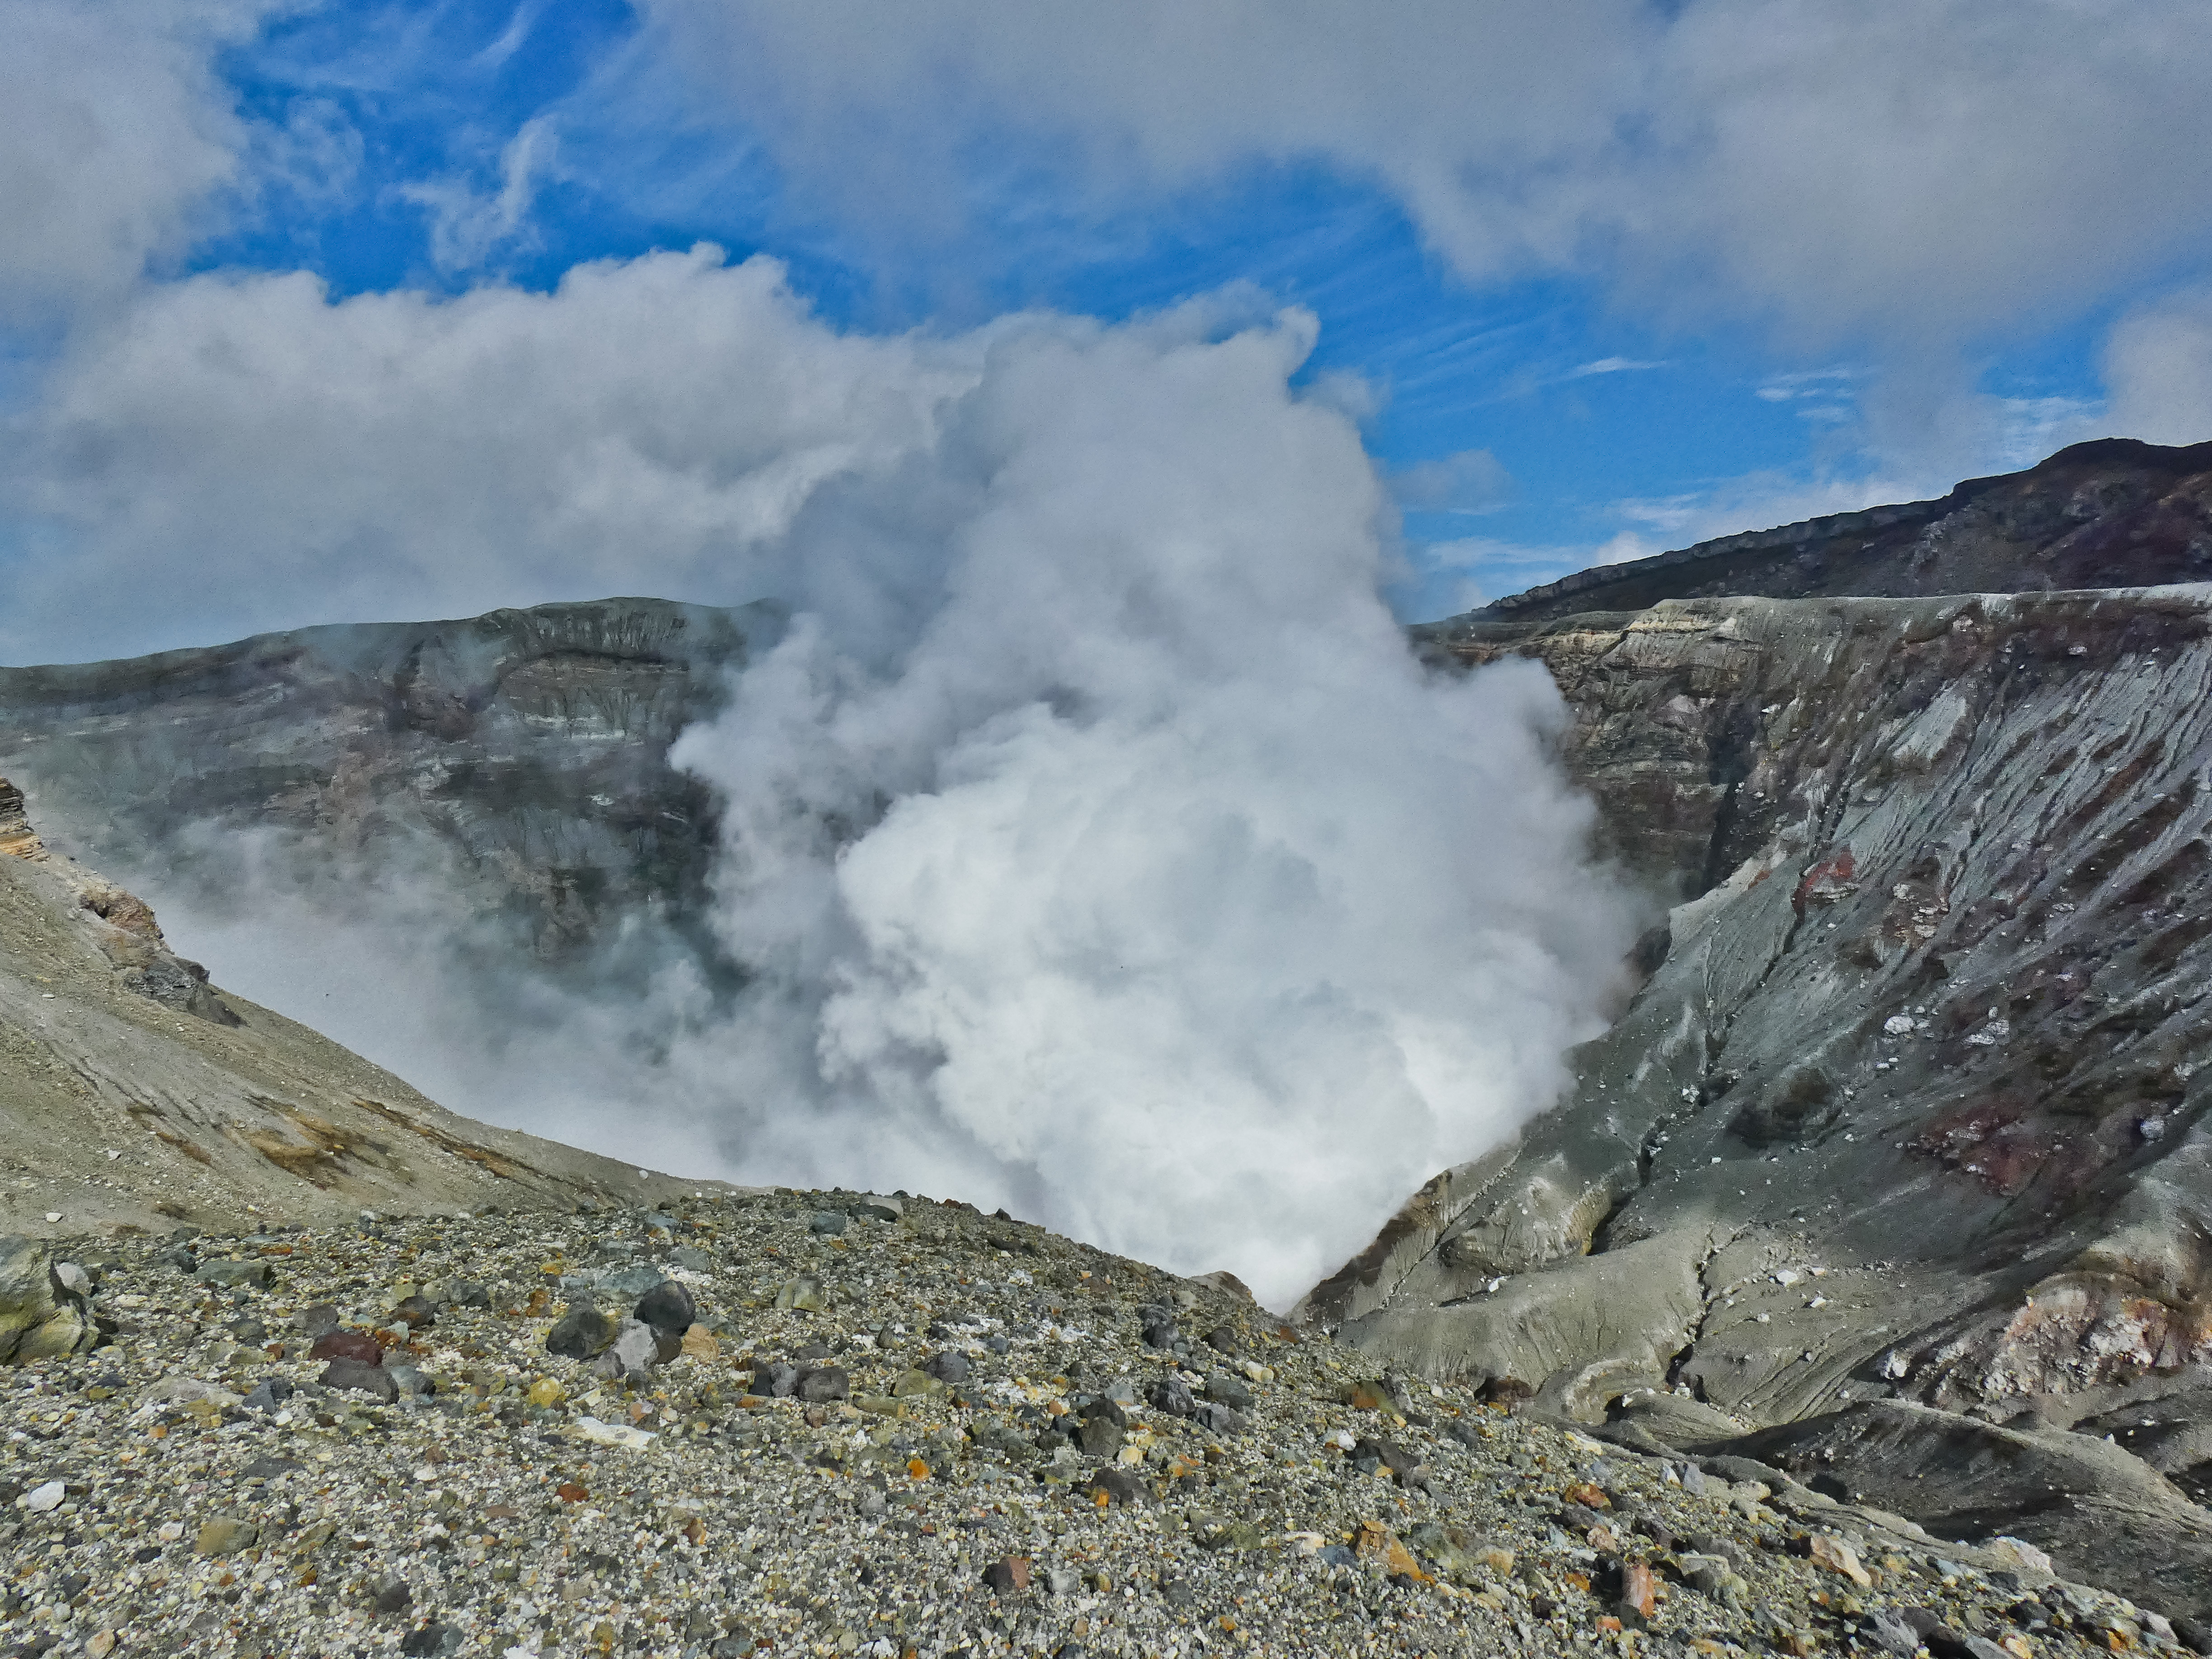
2013, 524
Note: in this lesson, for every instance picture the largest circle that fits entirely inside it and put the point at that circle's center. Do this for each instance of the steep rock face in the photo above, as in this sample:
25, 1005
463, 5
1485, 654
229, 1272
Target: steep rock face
525, 750
2111, 513
133, 1094
1913, 1104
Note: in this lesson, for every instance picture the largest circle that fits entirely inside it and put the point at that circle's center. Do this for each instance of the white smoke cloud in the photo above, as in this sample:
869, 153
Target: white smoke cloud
1094, 843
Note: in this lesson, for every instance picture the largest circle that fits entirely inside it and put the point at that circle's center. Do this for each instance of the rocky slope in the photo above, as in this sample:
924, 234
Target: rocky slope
832, 1424
135, 1095
1896, 1168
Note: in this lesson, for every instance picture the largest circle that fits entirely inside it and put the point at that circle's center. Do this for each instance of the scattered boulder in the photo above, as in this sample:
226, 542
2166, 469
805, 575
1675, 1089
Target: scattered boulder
341, 1344
948, 1367
38, 1319
351, 1374
632, 1353
235, 1275
775, 1380
668, 1307
582, 1331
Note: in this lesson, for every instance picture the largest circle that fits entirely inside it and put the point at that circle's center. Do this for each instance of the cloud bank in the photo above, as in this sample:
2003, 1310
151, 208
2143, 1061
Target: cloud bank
1912, 172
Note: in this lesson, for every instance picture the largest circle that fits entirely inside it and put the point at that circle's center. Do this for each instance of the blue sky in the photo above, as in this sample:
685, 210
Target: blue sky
1593, 285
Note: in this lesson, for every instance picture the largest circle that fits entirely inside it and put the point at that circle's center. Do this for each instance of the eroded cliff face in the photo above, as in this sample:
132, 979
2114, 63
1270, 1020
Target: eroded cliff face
523, 753
1912, 1107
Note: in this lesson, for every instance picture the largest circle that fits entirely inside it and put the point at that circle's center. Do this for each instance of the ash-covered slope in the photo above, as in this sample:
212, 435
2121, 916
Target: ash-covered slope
1904, 1138
133, 1094
2114, 513
523, 753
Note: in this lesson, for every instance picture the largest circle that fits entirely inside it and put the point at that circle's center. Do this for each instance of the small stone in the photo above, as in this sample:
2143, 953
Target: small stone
101, 1645
1828, 1551
775, 1380
315, 1321
362, 1379
668, 1306
582, 1331
357, 1345
40, 1499
394, 1596
1008, 1575
1220, 1419
915, 1383
268, 1394
417, 1313
802, 1295
948, 1367
1101, 1436
701, 1344
225, 1536
1229, 1389
828, 1223
820, 1384
253, 1275
545, 1393
410, 1380
427, 1640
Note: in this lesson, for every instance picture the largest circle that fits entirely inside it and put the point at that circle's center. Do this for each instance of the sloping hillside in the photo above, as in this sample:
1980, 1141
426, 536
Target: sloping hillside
134, 1094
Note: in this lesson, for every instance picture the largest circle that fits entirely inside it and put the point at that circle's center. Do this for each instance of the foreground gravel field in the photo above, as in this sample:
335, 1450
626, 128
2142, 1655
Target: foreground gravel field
837, 1423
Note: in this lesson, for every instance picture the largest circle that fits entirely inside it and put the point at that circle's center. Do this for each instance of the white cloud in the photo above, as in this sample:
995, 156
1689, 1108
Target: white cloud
2158, 371
1612, 366
1907, 170
114, 134
241, 453
1096, 845
1473, 481
467, 225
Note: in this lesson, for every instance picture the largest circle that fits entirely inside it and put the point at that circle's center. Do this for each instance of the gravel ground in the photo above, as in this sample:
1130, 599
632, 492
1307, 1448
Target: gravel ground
875, 1425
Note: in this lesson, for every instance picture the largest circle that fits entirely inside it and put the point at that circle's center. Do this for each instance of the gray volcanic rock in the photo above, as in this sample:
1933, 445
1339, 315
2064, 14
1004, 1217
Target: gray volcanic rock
526, 749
